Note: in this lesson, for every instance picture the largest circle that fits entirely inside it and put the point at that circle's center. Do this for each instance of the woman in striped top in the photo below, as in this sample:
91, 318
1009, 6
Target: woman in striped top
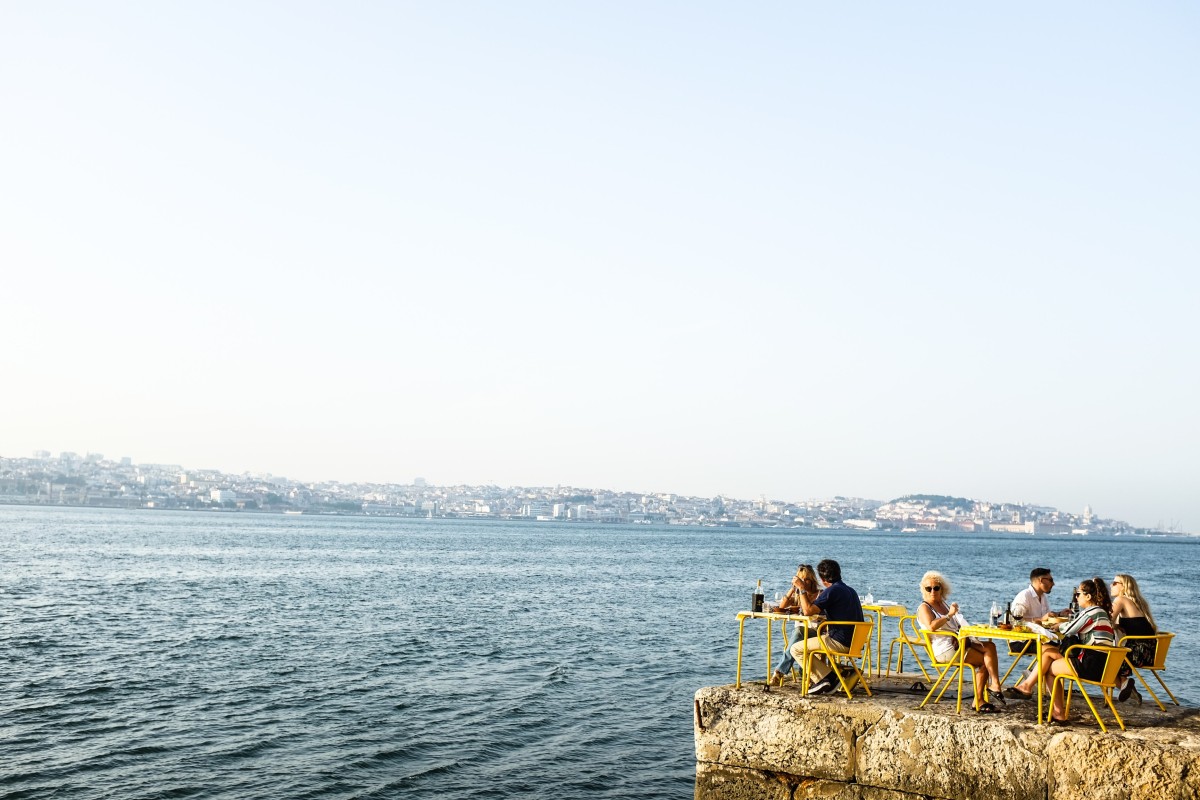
1092, 626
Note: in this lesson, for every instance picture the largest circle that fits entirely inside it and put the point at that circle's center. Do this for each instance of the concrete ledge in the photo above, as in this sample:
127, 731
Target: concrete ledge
754, 743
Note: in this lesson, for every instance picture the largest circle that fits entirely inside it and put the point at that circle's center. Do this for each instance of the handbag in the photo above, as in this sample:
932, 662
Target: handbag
1070, 640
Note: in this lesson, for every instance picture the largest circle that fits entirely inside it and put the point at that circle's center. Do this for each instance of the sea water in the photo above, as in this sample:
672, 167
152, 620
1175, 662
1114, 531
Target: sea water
230, 655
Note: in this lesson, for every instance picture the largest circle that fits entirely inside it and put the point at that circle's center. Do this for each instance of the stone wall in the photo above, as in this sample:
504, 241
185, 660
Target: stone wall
751, 743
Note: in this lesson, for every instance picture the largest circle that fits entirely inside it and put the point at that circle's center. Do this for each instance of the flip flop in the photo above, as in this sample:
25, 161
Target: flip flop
918, 687
998, 694
1017, 694
987, 708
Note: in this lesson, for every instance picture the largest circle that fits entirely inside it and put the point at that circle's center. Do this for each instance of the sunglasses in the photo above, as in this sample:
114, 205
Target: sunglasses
933, 588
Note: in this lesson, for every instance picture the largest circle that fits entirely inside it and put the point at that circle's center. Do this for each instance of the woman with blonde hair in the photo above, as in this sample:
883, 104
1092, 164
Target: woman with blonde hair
937, 614
804, 584
1131, 614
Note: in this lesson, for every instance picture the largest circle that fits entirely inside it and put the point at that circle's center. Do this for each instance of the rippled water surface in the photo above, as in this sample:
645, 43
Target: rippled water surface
173, 654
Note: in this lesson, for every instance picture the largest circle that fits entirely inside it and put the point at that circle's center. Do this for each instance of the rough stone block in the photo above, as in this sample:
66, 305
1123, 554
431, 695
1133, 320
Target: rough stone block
752, 743
779, 732
961, 758
717, 782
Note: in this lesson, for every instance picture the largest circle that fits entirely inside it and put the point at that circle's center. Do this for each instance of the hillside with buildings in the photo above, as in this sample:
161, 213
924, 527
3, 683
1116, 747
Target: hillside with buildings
92, 480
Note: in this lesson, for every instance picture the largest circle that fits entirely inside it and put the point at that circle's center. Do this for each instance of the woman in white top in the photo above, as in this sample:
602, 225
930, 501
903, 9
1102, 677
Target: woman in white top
935, 614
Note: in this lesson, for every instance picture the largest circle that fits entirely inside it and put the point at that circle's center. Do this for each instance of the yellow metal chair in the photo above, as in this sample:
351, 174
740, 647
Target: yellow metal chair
1115, 656
947, 670
1162, 644
909, 638
860, 643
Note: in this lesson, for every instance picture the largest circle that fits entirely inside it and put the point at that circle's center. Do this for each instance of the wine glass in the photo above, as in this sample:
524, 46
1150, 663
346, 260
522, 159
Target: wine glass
1018, 612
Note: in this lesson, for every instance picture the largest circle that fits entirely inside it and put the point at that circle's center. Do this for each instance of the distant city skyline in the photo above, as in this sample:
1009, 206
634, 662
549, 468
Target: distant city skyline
185, 470
783, 250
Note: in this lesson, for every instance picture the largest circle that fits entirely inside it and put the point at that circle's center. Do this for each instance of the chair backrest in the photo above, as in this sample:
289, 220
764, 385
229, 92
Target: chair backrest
1160, 650
1162, 643
1114, 658
894, 611
915, 628
860, 638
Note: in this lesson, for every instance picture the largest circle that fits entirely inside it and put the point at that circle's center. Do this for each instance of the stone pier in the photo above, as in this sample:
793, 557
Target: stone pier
753, 743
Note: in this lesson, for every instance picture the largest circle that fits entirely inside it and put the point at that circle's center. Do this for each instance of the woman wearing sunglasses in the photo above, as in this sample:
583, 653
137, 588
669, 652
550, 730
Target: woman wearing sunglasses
803, 584
936, 614
1092, 626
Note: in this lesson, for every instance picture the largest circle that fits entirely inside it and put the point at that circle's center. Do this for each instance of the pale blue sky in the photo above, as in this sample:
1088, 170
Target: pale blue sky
786, 249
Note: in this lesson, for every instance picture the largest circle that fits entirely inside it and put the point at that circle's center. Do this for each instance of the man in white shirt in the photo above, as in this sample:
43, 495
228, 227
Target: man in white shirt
1031, 602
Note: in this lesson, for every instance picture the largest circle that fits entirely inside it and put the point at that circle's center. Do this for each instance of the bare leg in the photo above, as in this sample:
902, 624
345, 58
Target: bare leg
1057, 706
992, 663
975, 659
1048, 657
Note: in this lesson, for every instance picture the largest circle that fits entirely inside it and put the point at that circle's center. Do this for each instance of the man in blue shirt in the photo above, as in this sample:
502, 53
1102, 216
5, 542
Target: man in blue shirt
837, 602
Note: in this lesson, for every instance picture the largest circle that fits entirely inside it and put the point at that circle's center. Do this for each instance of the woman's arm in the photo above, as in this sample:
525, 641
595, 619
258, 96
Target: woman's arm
1123, 607
928, 620
808, 604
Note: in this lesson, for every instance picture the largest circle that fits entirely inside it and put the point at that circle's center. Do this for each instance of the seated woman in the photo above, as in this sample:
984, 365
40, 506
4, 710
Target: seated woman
803, 584
1092, 626
935, 615
1131, 614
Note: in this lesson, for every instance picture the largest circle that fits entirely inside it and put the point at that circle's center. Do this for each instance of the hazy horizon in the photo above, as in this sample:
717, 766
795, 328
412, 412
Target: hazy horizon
784, 250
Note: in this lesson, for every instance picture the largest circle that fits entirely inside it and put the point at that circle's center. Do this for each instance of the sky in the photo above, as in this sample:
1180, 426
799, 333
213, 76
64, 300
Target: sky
788, 249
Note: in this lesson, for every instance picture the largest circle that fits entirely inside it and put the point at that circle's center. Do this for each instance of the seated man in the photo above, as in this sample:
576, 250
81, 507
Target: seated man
1032, 603
837, 602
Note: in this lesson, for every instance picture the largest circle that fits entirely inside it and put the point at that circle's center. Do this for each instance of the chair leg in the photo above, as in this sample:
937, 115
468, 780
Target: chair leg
1095, 713
933, 688
1158, 678
862, 678
1011, 667
917, 658
1161, 707
1108, 699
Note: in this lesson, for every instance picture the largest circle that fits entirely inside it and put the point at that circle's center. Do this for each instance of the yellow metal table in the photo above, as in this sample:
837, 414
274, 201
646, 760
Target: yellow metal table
1014, 635
799, 620
880, 610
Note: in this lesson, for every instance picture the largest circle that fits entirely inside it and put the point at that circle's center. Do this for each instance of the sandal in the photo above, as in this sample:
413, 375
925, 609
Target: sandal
987, 708
918, 687
998, 694
1059, 723
1017, 694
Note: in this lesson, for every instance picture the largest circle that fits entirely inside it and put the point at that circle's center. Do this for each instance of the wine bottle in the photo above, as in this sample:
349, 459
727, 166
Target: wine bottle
1008, 614
756, 599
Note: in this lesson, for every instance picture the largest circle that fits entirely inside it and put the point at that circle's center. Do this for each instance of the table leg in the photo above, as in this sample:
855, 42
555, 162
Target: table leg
878, 644
768, 651
741, 632
962, 667
804, 663
1038, 666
